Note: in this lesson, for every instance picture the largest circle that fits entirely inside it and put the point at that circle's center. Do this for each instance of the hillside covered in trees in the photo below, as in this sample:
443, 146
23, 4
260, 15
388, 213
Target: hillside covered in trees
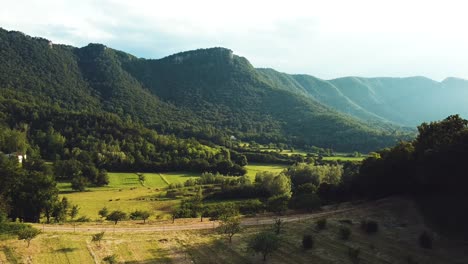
405, 101
208, 94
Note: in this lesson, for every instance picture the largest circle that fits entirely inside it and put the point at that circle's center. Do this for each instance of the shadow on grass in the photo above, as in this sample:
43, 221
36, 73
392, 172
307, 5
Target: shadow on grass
66, 250
159, 256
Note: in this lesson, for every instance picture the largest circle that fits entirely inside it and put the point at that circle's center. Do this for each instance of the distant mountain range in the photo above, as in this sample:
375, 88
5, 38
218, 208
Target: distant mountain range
404, 101
211, 94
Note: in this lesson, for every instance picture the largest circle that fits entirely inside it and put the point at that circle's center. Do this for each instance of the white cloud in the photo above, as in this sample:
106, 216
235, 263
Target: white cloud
323, 38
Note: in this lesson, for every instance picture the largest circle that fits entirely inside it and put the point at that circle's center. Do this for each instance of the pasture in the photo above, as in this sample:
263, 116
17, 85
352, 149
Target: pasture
393, 243
126, 193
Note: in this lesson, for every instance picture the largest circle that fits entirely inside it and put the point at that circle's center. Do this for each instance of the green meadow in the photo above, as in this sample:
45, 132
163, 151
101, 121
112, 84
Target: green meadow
125, 192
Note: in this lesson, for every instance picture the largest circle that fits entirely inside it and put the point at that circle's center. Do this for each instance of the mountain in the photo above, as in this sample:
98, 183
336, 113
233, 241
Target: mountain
403, 101
208, 94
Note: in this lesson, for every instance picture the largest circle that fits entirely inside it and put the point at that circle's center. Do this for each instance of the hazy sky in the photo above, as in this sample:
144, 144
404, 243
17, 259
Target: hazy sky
326, 39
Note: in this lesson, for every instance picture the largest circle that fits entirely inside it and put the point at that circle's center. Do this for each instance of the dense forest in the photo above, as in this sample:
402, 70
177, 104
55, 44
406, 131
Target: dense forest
208, 94
431, 169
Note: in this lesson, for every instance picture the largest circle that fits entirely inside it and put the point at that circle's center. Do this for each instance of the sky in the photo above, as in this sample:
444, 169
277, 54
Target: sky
326, 39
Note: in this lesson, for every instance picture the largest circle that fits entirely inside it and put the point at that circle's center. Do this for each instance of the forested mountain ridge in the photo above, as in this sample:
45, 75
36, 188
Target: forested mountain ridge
209, 94
404, 101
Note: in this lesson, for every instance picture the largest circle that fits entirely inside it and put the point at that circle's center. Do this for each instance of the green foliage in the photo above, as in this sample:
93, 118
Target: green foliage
139, 214
74, 211
175, 94
303, 173
278, 225
103, 212
264, 243
111, 259
116, 216
27, 189
27, 234
275, 184
79, 183
98, 237
344, 232
278, 204
305, 197
429, 168
230, 226
307, 242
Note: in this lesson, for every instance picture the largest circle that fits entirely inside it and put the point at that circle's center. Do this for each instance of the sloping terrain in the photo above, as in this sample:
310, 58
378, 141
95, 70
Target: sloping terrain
210, 94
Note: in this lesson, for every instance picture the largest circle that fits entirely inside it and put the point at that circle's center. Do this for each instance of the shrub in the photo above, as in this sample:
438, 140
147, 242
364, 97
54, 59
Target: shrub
425, 240
307, 242
353, 254
321, 224
83, 219
344, 232
111, 259
369, 226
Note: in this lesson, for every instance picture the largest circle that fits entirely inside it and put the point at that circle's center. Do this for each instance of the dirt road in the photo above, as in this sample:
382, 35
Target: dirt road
254, 221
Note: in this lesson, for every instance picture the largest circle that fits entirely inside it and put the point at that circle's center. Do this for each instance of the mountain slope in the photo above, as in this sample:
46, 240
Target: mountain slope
402, 101
224, 87
321, 90
209, 94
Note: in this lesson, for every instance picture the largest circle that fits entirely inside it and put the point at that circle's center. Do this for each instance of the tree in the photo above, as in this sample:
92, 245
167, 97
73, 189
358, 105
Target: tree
59, 211
74, 213
143, 215
264, 243
98, 237
28, 233
79, 183
278, 225
275, 184
278, 204
116, 216
230, 226
141, 178
103, 212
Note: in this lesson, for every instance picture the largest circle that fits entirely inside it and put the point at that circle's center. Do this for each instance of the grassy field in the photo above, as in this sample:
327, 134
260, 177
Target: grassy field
345, 158
126, 193
395, 242
254, 168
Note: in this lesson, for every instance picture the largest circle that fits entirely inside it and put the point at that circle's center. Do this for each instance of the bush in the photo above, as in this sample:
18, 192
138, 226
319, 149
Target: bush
83, 219
321, 224
369, 226
425, 240
111, 259
344, 232
307, 242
